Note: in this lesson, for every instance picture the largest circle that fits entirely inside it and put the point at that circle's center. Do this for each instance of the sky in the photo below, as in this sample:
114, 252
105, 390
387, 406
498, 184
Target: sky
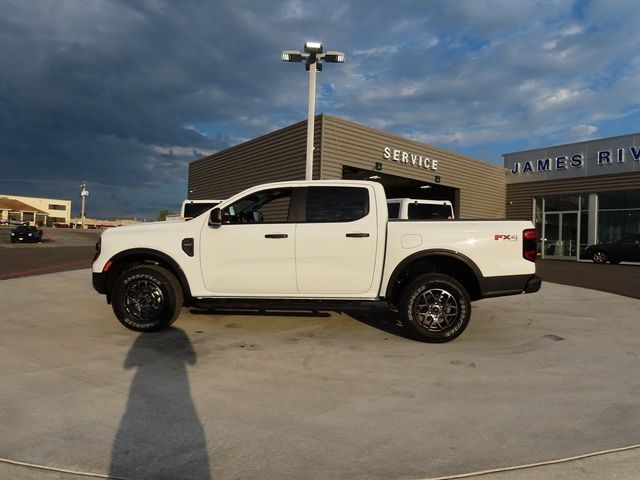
124, 94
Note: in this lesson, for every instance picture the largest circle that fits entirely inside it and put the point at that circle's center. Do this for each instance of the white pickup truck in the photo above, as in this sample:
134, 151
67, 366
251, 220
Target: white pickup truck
319, 245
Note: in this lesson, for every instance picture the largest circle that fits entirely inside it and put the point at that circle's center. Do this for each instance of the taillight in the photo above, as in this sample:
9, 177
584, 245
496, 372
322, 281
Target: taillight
530, 244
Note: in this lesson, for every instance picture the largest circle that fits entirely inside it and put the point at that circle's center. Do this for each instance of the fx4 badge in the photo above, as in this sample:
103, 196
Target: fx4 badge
511, 238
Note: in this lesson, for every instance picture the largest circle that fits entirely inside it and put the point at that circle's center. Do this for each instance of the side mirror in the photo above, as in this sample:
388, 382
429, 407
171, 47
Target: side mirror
215, 218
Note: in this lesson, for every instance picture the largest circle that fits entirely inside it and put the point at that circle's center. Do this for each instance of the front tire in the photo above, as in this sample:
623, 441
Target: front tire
435, 308
147, 298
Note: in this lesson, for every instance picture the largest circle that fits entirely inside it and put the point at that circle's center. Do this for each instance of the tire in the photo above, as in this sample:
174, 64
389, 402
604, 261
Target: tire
147, 298
435, 308
600, 256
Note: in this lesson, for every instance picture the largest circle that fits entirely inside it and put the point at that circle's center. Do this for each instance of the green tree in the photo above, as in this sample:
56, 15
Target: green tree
162, 216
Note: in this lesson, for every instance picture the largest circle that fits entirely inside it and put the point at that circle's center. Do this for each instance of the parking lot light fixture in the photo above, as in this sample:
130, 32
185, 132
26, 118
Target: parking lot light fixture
313, 56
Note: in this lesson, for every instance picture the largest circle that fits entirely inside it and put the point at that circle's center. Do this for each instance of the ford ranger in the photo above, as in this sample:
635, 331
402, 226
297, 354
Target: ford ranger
321, 245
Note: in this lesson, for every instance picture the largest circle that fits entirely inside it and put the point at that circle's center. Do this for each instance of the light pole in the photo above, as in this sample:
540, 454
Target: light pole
313, 57
84, 193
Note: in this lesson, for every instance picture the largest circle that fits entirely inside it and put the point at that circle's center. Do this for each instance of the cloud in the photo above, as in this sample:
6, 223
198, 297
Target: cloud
124, 94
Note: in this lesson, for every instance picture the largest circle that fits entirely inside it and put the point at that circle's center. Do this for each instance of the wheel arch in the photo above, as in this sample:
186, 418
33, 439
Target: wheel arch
141, 256
448, 262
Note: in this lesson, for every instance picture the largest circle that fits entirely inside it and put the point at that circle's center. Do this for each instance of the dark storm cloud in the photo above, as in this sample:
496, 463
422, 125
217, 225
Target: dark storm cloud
110, 91
124, 94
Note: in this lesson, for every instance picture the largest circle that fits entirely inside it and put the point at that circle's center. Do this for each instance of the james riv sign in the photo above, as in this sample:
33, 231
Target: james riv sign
594, 157
414, 159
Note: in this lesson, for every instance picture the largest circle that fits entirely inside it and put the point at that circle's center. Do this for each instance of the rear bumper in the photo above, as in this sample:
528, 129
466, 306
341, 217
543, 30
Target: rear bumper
509, 285
99, 280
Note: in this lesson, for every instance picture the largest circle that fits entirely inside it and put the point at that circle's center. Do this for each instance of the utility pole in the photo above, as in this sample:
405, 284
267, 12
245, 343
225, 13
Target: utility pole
84, 193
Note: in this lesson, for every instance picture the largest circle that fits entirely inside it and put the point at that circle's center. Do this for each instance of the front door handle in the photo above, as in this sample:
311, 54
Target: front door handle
276, 235
357, 235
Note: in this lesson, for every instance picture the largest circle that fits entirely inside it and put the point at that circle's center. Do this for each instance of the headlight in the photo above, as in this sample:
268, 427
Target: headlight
30, 234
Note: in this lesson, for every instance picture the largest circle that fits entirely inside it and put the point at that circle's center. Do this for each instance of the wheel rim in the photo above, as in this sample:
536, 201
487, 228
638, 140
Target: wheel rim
143, 300
436, 310
599, 257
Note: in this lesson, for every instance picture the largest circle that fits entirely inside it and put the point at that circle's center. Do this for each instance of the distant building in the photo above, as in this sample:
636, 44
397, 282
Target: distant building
34, 210
95, 223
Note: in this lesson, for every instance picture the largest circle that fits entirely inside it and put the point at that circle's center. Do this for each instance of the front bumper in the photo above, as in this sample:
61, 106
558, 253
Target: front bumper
99, 280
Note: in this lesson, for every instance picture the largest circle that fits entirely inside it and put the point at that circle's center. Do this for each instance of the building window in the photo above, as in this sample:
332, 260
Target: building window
53, 206
561, 204
28, 216
618, 215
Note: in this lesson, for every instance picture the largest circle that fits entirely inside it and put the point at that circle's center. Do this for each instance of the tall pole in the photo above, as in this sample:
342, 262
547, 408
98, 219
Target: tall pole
313, 55
311, 117
83, 194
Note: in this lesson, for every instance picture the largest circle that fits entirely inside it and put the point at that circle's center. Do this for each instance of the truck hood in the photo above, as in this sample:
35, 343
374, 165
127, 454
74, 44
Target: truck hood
151, 229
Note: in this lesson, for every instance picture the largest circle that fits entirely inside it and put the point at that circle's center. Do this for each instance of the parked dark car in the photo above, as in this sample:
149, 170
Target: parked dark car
625, 250
24, 233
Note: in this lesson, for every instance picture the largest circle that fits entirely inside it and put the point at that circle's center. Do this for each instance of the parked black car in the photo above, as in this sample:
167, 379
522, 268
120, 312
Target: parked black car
625, 250
24, 233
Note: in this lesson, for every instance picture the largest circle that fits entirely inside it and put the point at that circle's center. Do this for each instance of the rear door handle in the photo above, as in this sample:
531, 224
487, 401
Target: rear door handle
357, 235
276, 235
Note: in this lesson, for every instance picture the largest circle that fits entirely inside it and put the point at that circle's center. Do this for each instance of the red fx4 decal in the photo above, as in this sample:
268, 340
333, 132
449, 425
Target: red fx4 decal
511, 238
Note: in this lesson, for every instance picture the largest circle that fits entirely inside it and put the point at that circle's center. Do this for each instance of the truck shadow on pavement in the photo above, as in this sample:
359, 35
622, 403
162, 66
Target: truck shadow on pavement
378, 318
381, 319
160, 435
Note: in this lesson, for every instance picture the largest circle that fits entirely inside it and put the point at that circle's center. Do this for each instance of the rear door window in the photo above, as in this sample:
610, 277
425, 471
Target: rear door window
336, 204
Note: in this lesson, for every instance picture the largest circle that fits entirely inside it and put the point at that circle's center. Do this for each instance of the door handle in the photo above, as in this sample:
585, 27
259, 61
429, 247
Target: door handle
276, 235
357, 235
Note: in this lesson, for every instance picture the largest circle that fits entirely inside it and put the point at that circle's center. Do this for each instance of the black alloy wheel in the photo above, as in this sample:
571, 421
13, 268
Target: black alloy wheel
435, 308
146, 298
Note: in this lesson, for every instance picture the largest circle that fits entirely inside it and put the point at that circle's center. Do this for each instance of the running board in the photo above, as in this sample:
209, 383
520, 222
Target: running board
284, 304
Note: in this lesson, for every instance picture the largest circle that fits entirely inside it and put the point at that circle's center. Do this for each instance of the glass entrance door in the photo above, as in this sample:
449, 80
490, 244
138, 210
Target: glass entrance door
560, 235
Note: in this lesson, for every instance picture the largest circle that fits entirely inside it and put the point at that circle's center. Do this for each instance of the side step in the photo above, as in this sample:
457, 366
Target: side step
284, 304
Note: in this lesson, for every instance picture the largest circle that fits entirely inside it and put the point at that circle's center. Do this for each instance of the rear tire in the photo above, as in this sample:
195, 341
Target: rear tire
435, 308
147, 298
600, 256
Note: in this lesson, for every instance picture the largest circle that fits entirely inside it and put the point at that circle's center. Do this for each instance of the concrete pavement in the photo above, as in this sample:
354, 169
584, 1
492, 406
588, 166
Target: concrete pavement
241, 395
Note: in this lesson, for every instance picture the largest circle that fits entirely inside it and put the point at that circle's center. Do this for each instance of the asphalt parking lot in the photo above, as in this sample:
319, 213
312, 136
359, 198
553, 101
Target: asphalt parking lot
61, 250
303, 395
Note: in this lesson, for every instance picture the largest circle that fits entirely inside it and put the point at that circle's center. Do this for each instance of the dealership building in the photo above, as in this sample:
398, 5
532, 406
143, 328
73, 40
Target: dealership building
575, 193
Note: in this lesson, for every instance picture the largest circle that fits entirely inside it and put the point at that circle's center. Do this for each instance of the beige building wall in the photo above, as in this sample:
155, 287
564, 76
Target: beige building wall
61, 210
275, 157
280, 156
482, 185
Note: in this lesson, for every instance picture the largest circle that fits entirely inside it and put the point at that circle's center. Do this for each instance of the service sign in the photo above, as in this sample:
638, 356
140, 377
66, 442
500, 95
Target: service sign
409, 158
586, 159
